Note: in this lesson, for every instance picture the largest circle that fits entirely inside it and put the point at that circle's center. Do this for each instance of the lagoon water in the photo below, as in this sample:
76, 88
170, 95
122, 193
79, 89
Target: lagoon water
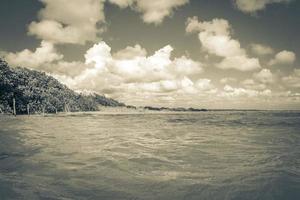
193, 156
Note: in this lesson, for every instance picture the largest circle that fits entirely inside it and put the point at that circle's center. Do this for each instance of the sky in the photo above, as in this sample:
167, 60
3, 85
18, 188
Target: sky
222, 54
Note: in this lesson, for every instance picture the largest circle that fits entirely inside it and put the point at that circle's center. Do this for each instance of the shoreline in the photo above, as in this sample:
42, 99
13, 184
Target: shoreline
138, 111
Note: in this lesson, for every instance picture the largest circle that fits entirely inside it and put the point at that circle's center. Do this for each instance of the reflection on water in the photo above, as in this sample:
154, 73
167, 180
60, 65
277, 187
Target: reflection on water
210, 155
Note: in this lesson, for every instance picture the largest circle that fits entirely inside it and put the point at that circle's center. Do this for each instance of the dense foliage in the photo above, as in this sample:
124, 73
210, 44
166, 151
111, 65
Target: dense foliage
42, 93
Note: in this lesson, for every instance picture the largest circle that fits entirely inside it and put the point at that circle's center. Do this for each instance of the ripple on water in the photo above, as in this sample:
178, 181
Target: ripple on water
209, 155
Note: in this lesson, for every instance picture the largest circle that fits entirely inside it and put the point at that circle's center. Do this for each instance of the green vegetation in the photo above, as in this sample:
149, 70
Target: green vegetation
42, 93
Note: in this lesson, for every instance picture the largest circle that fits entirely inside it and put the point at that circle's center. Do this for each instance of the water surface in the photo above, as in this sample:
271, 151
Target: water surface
207, 155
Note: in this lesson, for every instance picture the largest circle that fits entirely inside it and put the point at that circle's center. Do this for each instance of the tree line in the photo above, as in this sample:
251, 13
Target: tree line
36, 92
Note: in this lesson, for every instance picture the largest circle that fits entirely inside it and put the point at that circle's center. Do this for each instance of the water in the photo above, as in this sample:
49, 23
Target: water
208, 155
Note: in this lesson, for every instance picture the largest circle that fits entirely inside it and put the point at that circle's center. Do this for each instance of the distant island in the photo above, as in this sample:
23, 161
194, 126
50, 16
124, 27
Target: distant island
25, 91
174, 109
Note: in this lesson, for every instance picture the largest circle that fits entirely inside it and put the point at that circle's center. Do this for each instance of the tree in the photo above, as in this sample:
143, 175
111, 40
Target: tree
42, 93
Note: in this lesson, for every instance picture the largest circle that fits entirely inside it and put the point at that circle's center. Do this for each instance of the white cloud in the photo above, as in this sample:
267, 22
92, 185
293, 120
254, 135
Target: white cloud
204, 84
215, 37
228, 80
230, 91
284, 57
141, 79
293, 80
220, 45
46, 58
44, 54
241, 63
253, 85
217, 26
252, 6
297, 72
261, 50
132, 71
153, 11
264, 76
128, 71
131, 74
158, 79
131, 52
182, 85
62, 67
65, 22
122, 3
80, 21
99, 55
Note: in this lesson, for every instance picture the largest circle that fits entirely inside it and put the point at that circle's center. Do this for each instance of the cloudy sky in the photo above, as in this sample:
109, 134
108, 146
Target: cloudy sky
199, 53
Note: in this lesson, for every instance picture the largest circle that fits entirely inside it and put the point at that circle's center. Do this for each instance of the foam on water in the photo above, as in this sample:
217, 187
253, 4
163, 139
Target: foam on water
209, 155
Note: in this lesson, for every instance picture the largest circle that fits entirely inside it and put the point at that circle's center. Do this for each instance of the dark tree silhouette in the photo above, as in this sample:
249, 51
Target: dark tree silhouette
41, 92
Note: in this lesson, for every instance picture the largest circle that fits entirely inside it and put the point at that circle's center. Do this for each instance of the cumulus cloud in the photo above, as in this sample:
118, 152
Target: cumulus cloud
122, 3
133, 76
253, 85
65, 22
46, 58
153, 11
204, 84
252, 6
131, 52
264, 76
215, 37
61, 67
44, 54
261, 50
293, 80
80, 21
131, 71
228, 80
230, 91
241, 63
284, 57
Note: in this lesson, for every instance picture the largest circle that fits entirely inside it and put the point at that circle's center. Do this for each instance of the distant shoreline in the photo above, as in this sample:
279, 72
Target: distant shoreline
141, 110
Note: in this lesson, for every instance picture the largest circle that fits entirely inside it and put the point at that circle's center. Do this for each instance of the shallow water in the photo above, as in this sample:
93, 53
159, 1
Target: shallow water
207, 155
